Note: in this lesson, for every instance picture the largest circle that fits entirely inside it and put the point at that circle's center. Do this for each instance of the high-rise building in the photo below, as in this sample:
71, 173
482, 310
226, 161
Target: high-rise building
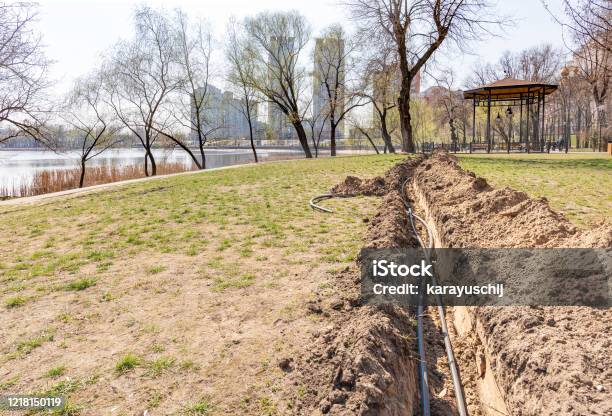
223, 117
328, 63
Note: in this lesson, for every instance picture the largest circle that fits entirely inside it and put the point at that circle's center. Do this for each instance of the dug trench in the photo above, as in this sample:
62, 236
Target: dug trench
512, 360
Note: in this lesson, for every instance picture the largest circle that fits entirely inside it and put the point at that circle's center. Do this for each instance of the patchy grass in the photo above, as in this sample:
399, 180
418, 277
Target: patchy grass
127, 363
158, 366
29, 345
81, 284
203, 407
235, 254
155, 269
576, 184
56, 372
15, 302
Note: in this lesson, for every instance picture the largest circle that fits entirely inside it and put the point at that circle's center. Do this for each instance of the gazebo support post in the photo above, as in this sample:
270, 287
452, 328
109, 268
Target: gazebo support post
473, 121
521, 120
489, 123
544, 121
528, 113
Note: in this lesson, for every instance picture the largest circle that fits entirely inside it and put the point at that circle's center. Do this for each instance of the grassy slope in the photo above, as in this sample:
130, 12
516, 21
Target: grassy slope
150, 292
579, 185
181, 293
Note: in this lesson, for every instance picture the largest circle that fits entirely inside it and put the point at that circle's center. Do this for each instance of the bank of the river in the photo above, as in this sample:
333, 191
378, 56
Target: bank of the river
20, 169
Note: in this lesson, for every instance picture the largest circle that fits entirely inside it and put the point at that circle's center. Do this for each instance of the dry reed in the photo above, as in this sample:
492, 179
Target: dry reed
56, 180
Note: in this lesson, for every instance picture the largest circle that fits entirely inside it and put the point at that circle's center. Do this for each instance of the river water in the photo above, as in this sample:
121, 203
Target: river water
17, 167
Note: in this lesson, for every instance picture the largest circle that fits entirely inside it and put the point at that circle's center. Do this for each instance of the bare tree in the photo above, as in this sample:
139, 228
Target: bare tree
275, 42
379, 86
593, 65
241, 72
92, 122
141, 78
316, 123
359, 126
333, 66
194, 51
450, 102
23, 74
417, 28
589, 21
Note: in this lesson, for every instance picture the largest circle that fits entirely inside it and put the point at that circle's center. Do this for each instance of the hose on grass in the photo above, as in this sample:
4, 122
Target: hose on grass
314, 201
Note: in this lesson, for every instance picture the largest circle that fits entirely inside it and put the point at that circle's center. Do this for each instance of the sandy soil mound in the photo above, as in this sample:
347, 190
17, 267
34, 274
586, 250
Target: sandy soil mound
378, 186
546, 360
353, 185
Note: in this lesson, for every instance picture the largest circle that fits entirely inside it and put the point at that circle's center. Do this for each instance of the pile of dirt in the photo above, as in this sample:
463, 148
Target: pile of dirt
364, 362
353, 185
379, 185
546, 360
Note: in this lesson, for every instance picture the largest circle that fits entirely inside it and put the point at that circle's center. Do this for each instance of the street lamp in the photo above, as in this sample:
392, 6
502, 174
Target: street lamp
509, 114
567, 72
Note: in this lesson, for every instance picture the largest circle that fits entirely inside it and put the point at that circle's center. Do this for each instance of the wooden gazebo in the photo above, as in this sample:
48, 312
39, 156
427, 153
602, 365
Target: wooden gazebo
510, 92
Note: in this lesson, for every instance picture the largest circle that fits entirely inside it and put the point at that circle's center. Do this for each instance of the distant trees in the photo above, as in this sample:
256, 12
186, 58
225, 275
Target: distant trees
334, 64
189, 109
540, 63
140, 78
380, 86
23, 74
274, 44
417, 29
241, 74
94, 127
589, 25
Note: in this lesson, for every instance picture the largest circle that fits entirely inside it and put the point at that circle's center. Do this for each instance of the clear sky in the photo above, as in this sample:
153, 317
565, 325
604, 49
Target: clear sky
77, 32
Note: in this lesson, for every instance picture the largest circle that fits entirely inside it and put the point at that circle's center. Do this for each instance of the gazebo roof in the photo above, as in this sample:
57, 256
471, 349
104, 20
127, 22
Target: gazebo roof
509, 89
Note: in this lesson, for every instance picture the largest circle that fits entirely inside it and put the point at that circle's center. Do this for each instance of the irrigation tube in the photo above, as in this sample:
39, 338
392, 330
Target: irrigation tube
461, 407
423, 377
314, 201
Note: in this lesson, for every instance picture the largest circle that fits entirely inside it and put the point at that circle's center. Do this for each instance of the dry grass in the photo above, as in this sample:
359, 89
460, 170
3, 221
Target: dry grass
44, 182
178, 295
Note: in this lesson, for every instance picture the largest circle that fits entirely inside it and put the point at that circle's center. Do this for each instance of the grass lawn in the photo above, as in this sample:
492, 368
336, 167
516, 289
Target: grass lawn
579, 185
182, 294
146, 295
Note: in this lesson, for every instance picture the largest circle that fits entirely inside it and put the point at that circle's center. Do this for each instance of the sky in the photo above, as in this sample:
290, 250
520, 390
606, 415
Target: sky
76, 33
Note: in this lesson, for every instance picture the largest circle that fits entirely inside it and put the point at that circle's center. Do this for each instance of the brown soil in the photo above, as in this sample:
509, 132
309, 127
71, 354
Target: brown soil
546, 360
513, 360
364, 363
378, 186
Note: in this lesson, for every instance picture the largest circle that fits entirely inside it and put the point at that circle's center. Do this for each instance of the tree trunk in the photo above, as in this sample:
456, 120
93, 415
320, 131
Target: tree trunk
405, 121
302, 138
153, 164
202, 154
371, 142
146, 165
82, 178
385, 134
252, 141
332, 137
